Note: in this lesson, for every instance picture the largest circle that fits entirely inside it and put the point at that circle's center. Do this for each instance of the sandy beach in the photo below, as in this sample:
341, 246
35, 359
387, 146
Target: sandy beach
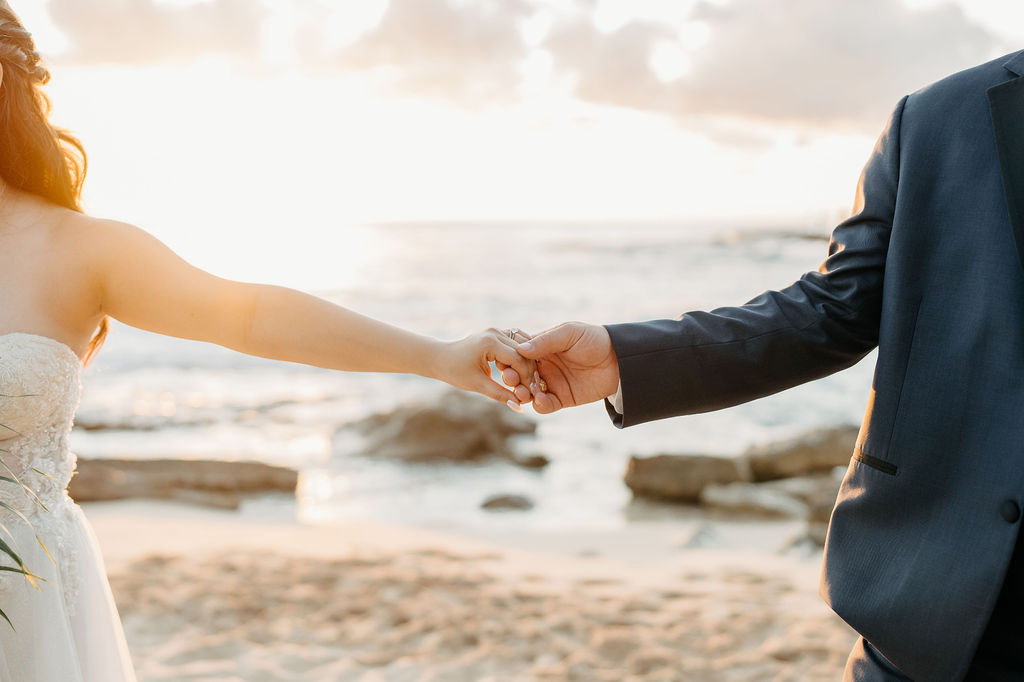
209, 595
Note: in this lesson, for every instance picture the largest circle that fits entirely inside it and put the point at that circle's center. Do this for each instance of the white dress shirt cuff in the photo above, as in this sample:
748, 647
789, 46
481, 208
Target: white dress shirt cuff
616, 400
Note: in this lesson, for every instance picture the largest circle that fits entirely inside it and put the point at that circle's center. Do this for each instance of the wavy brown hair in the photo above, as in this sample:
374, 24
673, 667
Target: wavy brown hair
36, 156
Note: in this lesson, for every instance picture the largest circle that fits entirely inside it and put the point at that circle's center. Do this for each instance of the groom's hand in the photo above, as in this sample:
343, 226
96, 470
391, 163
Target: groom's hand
576, 362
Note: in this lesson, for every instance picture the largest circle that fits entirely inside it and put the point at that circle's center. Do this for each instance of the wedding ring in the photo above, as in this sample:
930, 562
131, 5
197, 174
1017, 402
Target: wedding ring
512, 333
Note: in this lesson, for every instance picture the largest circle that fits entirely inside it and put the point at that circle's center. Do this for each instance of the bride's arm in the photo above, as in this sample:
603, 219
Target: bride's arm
141, 282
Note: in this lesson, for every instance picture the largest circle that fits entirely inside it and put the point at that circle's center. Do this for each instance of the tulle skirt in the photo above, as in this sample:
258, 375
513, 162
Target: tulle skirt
59, 639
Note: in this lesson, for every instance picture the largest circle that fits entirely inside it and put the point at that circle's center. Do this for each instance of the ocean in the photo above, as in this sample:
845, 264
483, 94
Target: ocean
149, 396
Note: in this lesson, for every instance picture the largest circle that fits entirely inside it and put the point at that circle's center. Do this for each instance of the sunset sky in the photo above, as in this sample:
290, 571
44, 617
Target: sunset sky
249, 119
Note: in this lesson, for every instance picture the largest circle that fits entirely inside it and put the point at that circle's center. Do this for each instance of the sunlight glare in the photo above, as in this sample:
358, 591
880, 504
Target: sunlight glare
669, 62
350, 20
610, 15
49, 39
344, 24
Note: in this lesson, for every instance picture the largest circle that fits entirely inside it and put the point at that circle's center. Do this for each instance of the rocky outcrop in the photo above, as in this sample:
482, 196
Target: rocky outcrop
795, 479
458, 427
210, 483
752, 499
802, 497
507, 502
679, 478
794, 464
818, 451
807, 489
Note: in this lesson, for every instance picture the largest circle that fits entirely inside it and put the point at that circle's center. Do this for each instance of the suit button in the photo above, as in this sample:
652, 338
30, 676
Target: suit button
1010, 511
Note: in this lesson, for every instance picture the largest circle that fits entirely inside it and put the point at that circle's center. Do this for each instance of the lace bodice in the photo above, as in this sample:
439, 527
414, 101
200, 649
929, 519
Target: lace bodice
40, 387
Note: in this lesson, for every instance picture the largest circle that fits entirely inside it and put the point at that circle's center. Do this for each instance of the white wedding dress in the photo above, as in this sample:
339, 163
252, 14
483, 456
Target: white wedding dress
68, 630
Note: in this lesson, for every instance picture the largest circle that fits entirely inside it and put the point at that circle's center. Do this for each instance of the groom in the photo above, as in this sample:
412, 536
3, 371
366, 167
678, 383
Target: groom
920, 557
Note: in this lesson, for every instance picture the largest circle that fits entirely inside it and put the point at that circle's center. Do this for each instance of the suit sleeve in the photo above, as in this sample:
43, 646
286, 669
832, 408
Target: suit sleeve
824, 322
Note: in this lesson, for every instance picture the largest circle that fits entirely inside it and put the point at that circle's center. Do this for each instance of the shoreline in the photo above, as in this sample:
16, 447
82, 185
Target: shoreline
649, 549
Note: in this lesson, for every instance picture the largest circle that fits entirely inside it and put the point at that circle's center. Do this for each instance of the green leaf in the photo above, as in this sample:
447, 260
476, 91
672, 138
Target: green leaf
9, 534
4, 505
9, 469
27, 574
6, 549
22, 484
40, 541
36, 498
43, 473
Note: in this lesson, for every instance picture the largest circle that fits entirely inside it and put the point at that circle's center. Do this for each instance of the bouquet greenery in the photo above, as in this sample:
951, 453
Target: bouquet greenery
9, 477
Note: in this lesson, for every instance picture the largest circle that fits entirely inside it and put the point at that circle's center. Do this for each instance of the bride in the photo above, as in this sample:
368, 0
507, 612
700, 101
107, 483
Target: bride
62, 276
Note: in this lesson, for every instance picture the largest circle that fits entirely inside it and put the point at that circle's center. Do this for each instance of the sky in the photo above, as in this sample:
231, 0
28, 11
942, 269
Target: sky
249, 118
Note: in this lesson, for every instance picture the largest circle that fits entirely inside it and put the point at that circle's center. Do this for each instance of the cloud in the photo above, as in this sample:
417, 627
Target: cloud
146, 31
824, 63
831, 64
469, 52
466, 51
614, 67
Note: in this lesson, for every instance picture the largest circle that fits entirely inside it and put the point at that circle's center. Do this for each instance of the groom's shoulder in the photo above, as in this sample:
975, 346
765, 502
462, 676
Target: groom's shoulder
956, 105
972, 81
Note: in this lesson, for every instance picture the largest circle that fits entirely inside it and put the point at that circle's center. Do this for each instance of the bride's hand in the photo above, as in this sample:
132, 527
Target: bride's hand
512, 375
465, 364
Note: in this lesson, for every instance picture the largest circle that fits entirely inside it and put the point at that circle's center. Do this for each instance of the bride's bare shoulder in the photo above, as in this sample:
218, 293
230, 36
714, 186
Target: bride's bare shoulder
101, 249
88, 237
84, 247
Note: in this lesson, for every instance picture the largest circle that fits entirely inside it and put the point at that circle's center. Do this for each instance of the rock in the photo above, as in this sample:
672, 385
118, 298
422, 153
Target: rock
810, 497
814, 452
211, 483
207, 498
752, 499
507, 502
679, 477
458, 427
531, 461
818, 494
811, 490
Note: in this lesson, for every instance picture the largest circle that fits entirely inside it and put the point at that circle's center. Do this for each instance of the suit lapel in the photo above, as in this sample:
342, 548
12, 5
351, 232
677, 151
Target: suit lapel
1006, 102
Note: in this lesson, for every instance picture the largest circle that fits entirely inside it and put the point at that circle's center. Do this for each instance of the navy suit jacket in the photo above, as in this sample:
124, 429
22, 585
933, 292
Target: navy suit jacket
928, 268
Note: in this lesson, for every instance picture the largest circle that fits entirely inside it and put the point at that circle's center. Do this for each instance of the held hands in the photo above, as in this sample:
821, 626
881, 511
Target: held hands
465, 364
568, 365
575, 364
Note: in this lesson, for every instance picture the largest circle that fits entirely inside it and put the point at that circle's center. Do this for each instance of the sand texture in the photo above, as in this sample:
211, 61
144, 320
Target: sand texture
383, 608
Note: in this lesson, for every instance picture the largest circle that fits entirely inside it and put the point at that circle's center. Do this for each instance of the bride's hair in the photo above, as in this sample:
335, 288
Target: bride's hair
36, 156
